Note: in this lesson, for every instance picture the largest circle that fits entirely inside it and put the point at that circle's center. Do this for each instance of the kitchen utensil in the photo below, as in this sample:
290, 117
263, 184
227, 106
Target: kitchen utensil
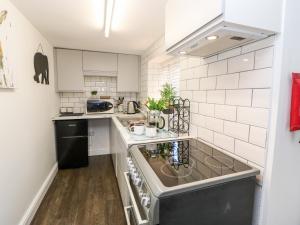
120, 108
150, 131
138, 129
132, 107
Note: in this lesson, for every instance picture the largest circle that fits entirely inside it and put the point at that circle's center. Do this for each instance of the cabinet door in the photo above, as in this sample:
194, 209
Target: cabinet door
185, 17
69, 70
100, 64
128, 73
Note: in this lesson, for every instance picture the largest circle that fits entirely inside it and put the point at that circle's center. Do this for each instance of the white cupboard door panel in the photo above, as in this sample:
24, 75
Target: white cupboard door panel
69, 70
185, 17
100, 63
264, 14
128, 73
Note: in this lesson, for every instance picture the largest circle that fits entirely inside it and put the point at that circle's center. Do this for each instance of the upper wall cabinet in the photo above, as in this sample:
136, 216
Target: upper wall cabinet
189, 23
100, 64
69, 70
128, 73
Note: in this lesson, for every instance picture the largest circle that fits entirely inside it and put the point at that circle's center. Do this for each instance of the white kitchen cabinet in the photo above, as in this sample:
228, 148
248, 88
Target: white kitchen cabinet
69, 70
185, 18
100, 63
119, 155
128, 73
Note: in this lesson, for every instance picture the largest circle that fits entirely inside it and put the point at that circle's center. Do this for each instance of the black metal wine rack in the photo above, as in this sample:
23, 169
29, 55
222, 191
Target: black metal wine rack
179, 116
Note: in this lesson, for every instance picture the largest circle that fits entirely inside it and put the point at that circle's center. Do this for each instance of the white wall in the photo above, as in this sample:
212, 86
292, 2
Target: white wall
281, 193
26, 131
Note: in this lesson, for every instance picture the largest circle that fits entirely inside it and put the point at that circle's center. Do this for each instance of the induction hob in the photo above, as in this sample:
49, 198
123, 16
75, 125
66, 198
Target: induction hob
182, 162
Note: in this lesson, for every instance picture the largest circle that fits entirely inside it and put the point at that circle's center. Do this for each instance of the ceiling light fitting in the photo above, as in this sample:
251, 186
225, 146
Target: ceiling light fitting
213, 37
109, 10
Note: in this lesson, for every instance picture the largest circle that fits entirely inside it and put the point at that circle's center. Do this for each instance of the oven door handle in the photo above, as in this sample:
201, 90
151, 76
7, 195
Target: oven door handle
134, 204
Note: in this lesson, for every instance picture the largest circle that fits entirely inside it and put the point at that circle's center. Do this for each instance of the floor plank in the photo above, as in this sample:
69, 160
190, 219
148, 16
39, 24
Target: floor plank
85, 196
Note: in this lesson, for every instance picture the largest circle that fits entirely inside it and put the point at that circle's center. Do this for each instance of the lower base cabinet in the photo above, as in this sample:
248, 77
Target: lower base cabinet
119, 157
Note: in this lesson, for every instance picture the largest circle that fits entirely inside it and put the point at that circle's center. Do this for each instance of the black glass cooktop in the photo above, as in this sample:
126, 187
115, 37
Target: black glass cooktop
187, 161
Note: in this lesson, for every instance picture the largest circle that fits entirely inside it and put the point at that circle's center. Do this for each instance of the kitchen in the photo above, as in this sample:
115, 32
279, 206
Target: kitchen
224, 135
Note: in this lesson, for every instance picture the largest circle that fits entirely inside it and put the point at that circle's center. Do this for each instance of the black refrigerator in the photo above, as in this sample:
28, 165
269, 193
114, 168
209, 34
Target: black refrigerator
71, 143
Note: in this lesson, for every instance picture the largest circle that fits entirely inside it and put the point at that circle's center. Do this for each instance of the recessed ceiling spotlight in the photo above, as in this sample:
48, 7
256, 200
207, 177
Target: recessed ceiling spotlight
182, 52
212, 37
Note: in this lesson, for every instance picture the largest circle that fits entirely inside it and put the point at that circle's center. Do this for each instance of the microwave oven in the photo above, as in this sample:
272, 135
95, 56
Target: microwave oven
99, 106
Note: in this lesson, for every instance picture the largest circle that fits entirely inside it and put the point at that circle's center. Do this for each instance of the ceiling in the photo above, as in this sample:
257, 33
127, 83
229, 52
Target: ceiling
79, 24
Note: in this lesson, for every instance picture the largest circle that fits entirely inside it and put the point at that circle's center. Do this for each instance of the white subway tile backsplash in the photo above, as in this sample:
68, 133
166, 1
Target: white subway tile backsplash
241, 63
258, 136
186, 94
224, 142
264, 58
194, 61
198, 120
225, 112
76, 102
230, 107
239, 97
236, 130
217, 96
230, 81
205, 134
217, 68
192, 84
200, 71
251, 152
182, 85
194, 107
208, 83
261, 98
199, 96
214, 124
256, 79
206, 109
253, 116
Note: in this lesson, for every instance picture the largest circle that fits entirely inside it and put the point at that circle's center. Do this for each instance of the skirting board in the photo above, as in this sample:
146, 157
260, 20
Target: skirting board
34, 205
94, 152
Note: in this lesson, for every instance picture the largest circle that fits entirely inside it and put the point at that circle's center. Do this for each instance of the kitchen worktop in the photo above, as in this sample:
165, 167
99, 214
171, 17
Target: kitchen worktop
127, 137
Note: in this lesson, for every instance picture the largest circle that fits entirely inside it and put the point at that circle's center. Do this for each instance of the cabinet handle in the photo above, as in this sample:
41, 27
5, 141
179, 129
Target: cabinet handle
69, 137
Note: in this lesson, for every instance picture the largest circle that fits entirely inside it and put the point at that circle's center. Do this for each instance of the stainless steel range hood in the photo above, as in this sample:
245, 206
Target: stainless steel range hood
228, 36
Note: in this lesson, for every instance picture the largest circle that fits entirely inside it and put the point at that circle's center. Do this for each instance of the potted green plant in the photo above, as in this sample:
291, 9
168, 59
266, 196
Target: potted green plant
168, 94
155, 108
94, 93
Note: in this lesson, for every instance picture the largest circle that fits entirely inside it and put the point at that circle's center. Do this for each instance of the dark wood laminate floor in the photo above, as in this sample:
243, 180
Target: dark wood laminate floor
85, 196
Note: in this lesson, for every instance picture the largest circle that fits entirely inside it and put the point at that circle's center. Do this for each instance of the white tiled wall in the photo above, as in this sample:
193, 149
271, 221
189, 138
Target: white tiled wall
230, 99
156, 72
106, 86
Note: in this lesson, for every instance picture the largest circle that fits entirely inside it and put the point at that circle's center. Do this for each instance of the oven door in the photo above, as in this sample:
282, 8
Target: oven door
132, 212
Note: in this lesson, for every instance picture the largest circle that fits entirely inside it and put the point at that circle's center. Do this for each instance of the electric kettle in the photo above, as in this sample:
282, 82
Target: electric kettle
132, 107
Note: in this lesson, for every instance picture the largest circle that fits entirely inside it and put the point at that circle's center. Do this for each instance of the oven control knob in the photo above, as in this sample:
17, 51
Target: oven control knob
141, 193
134, 175
137, 181
145, 201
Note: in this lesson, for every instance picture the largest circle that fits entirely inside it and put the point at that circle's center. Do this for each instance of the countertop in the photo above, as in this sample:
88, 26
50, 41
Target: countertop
127, 137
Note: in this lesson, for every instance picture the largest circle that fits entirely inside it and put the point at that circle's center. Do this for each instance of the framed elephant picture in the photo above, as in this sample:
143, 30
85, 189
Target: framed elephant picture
6, 68
41, 66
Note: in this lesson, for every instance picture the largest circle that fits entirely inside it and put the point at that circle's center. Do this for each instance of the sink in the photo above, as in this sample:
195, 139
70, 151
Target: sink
126, 120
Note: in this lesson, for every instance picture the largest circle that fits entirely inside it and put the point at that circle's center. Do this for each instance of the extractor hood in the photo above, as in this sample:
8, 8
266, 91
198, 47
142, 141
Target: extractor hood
227, 36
